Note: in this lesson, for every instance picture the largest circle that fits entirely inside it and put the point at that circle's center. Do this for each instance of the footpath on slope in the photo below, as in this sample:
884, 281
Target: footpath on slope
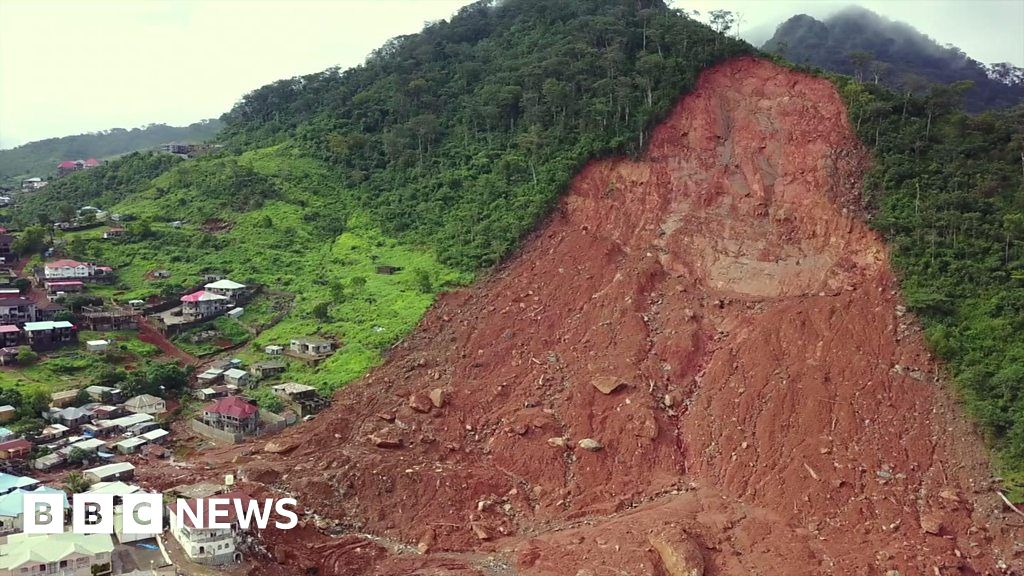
699, 365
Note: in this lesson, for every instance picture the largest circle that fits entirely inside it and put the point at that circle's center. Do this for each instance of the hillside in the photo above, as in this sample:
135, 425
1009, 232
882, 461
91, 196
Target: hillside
860, 43
436, 156
697, 365
41, 158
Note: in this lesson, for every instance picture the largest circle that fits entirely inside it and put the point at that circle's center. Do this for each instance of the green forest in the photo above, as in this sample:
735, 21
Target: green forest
947, 192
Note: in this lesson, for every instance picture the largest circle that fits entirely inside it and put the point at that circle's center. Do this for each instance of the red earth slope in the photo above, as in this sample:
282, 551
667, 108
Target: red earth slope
776, 412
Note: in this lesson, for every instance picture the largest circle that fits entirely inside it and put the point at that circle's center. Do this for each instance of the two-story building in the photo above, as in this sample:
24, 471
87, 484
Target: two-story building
203, 304
232, 414
212, 546
50, 334
71, 269
228, 288
17, 310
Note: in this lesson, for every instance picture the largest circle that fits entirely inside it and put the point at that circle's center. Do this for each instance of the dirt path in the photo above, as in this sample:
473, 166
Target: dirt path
150, 335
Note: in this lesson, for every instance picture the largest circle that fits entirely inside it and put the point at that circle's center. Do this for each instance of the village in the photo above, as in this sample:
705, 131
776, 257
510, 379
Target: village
87, 439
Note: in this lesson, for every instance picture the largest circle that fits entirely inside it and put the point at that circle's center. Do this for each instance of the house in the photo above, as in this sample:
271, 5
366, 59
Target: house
50, 334
106, 411
17, 310
110, 472
52, 432
104, 393
8, 356
49, 461
91, 163
212, 546
387, 270
127, 422
311, 347
48, 310
114, 232
30, 184
203, 304
7, 413
236, 377
6, 252
214, 392
89, 445
12, 507
306, 399
67, 167
267, 368
10, 482
70, 417
156, 436
6, 434
15, 449
232, 414
68, 269
274, 350
59, 288
64, 554
210, 376
228, 288
235, 313
145, 404
129, 445
10, 335
63, 399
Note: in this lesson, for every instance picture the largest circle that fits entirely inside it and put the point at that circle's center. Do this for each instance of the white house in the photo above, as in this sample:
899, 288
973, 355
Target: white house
66, 554
226, 287
63, 269
145, 404
212, 546
110, 472
237, 377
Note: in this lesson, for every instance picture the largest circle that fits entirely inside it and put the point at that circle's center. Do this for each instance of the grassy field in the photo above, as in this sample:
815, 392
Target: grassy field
325, 273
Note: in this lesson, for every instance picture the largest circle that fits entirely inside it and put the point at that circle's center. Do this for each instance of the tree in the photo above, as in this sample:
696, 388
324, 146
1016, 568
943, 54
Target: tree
321, 311
77, 456
75, 482
423, 281
23, 285
27, 356
860, 60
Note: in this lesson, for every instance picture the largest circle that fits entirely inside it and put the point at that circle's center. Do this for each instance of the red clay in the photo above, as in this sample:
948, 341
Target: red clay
777, 413
150, 335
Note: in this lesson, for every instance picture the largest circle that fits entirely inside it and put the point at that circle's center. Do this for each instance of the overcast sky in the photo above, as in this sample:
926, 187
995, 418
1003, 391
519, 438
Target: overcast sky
73, 66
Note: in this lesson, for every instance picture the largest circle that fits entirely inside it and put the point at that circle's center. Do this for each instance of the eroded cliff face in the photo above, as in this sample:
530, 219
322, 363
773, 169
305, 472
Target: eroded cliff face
773, 411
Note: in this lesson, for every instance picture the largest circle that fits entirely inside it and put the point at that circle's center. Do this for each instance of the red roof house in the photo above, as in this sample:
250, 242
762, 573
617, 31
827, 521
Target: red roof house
15, 449
91, 163
232, 414
67, 165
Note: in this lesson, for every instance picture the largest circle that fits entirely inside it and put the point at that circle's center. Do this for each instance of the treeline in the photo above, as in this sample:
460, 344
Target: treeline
462, 136
948, 190
40, 158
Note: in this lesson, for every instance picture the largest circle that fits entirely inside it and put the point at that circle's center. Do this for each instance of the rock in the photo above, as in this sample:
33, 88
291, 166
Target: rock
669, 400
590, 444
607, 384
481, 531
280, 446
949, 495
426, 541
386, 416
386, 438
558, 442
679, 557
437, 397
931, 524
420, 403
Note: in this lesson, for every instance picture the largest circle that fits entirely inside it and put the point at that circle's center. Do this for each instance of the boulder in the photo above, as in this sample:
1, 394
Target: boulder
420, 403
280, 446
931, 524
437, 397
387, 437
607, 384
590, 444
680, 555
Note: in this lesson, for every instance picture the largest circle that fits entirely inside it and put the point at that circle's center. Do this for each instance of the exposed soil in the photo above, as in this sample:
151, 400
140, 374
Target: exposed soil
150, 335
770, 408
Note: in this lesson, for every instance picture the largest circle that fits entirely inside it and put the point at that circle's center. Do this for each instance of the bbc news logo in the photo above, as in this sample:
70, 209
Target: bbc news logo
144, 513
